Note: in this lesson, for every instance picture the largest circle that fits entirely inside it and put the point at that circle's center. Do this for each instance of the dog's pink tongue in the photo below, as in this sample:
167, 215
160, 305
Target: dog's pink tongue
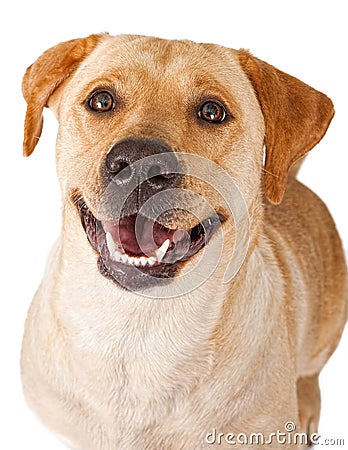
145, 236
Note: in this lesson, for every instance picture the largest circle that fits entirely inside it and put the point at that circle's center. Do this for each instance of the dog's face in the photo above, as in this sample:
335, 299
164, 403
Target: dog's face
135, 100
150, 130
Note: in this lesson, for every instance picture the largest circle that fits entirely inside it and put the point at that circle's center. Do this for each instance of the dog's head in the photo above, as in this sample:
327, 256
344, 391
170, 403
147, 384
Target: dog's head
150, 129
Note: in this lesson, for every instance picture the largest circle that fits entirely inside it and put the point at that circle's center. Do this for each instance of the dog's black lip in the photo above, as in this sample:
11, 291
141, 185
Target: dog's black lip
136, 278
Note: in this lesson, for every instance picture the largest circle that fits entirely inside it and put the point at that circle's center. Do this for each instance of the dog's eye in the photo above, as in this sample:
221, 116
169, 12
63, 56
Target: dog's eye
212, 111
101, 101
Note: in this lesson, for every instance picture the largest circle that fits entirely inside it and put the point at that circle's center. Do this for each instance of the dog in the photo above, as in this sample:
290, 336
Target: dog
197, 288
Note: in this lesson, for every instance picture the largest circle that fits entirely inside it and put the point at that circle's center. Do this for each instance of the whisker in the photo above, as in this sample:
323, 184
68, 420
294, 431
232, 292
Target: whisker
269, 173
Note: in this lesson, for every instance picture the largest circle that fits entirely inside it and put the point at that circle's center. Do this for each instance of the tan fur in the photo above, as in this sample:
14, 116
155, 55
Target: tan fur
108, 369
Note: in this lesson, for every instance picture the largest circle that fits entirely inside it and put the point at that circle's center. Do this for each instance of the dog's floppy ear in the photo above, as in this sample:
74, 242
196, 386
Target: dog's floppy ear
296, 118
43, 77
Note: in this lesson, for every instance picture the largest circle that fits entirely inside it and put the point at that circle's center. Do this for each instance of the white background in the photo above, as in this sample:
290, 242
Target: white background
305, 38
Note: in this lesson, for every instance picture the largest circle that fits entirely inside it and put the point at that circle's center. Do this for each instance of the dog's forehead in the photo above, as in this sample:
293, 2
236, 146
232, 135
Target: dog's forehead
161, 58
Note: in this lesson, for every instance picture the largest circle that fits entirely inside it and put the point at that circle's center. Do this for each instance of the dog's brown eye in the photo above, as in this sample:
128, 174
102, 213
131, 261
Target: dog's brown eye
212, 111
101, 101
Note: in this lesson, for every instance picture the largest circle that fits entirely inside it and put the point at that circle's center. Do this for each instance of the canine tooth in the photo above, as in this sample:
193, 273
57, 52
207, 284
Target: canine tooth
143, 260
110, 243
160, 252
124, 258
130, 260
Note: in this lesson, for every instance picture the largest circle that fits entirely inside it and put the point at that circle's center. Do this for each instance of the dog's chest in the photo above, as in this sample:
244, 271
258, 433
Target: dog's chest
141, 392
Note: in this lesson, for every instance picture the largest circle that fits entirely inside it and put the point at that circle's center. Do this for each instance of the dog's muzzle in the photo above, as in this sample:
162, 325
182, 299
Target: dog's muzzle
135, 248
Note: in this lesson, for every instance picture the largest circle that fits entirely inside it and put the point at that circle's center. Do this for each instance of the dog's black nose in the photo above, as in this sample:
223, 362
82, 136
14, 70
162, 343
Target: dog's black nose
149, 162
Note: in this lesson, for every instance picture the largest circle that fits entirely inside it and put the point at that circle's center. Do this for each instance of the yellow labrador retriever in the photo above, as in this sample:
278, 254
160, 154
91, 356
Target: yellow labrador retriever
197, 288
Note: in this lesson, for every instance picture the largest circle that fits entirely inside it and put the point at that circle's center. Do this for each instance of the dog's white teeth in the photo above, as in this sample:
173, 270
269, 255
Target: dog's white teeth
143, 261
160, 252
135, 260
151, 261
110, 243
131, 260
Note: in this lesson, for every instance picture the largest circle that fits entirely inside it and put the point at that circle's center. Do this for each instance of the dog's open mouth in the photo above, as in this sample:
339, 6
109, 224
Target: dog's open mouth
138, 252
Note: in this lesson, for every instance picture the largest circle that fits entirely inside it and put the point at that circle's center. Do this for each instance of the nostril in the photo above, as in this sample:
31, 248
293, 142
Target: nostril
115, 166
120, 168
155, 171
159, 176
